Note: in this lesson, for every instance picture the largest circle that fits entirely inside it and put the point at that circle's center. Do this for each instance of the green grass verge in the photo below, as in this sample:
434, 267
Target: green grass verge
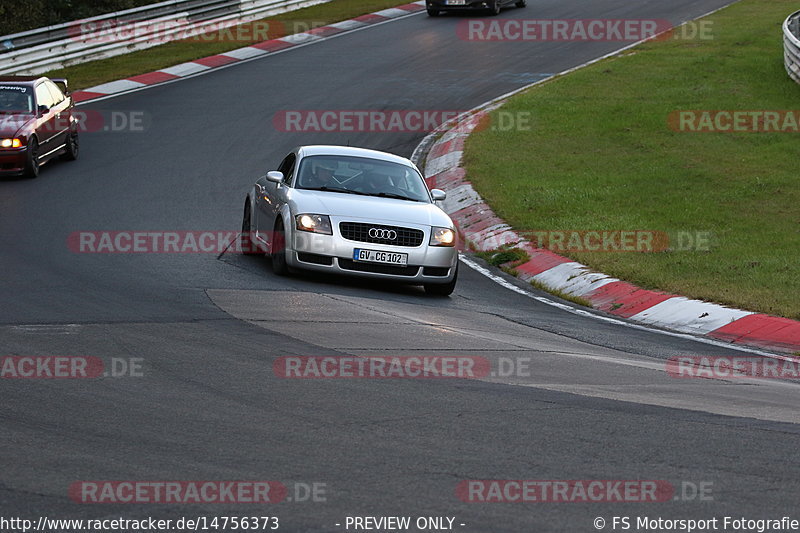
507, 258
601, 155
561, 294
166, 55
503, 255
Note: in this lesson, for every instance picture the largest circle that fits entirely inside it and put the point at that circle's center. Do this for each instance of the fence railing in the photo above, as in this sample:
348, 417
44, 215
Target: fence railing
791, 45
62, 45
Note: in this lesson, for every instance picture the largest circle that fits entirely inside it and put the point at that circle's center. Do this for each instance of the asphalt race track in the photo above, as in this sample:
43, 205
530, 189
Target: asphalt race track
597, 405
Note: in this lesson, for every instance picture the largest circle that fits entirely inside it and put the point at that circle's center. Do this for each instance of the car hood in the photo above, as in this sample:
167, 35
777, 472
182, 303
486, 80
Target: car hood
370, 208
10, 125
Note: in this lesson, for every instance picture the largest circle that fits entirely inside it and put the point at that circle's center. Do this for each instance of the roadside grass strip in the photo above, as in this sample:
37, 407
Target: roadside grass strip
692, 138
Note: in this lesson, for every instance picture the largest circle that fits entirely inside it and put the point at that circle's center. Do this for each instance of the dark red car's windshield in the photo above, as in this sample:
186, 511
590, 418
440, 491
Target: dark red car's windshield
16, 99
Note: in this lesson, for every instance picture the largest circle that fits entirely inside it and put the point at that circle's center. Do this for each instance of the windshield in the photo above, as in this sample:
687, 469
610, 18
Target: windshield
361, 175
16, 99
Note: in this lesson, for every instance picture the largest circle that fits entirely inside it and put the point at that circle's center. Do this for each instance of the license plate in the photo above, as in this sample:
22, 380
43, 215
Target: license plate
455, 2
375, 256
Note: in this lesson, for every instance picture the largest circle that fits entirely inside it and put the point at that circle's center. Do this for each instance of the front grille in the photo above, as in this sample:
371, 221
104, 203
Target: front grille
349, 264
358, 231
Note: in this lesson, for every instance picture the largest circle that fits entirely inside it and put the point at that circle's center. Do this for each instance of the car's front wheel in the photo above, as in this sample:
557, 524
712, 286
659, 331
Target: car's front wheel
32, 163
443, 289
71, 153
522, 3
433, 12
279, 266
249, 246
494, 8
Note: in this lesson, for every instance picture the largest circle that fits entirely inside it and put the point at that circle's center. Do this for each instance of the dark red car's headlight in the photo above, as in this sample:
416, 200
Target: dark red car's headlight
11, 143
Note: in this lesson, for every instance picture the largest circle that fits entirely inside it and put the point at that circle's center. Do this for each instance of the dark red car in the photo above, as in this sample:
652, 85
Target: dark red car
37, 123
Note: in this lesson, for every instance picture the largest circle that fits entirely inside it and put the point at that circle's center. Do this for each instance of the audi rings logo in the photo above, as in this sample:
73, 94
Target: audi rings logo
380, 233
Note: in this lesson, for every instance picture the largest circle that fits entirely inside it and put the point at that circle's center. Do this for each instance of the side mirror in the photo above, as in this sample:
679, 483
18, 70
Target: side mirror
43, 109
62, 84
275, 176
438, 195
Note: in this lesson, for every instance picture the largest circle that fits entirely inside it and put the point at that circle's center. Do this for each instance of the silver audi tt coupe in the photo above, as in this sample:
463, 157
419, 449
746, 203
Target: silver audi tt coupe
352, 211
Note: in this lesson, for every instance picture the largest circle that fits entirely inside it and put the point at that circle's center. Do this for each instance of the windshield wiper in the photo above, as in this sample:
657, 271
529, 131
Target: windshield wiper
336, 189
396, 196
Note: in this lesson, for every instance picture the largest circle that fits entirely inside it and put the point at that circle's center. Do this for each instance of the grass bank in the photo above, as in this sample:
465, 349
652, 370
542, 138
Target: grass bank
604, 154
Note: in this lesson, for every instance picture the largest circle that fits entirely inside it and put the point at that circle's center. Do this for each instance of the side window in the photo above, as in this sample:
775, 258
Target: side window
56, 93
43, 96
287, 167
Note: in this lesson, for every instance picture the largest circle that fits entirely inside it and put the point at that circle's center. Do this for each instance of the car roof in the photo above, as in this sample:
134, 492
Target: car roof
328, 149
21, 80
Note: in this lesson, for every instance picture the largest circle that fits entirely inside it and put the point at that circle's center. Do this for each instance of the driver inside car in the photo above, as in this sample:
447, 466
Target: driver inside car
321, 176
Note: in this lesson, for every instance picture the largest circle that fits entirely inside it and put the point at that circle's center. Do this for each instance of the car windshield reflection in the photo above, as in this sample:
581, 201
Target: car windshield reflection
15, 100
362, 176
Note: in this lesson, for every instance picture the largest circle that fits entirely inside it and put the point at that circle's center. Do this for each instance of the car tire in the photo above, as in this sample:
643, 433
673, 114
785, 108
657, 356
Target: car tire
442, 289
32, 164
279, 265
495, 8
522, 3
73, 147
433, 12
249, 247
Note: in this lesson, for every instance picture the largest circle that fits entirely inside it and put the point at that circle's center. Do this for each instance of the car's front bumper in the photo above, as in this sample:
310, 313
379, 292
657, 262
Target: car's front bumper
470, 5
12, 161
334, 254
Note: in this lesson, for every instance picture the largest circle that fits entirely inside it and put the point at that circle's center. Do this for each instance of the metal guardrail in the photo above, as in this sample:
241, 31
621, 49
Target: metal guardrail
40, 50
791, 45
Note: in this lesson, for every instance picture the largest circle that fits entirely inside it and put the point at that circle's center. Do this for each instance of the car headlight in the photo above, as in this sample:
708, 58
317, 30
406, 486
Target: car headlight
442, 237
10, 143
314, 223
